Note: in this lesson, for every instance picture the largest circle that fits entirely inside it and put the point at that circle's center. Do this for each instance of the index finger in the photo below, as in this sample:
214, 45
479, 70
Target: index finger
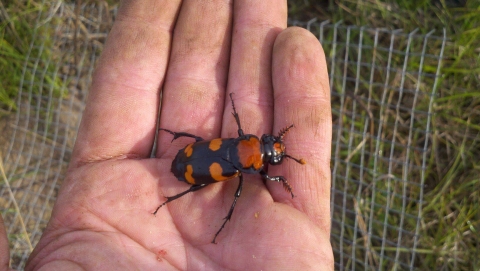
121, 112
302, 97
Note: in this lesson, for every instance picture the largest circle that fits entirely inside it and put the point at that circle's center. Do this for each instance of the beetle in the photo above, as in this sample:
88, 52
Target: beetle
205, 162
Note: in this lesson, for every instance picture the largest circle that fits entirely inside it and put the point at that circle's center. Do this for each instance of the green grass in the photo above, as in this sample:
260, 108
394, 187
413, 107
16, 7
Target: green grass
19, 61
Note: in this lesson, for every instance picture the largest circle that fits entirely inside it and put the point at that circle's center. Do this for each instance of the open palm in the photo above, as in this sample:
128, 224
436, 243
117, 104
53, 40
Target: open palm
195, 53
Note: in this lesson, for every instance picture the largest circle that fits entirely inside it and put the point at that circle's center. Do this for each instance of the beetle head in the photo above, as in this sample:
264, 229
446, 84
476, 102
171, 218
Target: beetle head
274, 148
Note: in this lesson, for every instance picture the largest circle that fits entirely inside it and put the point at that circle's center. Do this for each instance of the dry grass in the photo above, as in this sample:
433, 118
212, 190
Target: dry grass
17, 209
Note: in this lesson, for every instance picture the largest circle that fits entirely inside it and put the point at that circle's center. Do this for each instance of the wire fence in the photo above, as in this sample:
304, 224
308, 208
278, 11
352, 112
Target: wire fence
383, 84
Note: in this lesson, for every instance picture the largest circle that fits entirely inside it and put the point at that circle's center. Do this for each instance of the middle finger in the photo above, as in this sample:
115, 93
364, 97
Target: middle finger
195, 84
256, 24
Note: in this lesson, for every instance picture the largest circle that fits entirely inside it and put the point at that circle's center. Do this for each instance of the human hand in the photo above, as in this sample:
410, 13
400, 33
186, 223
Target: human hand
196, 52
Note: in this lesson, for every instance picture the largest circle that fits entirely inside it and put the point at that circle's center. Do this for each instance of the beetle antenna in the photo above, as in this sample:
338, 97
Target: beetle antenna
282, 132
300, 161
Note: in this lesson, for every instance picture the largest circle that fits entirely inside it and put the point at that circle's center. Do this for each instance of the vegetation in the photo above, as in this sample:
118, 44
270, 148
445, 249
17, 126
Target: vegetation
23, 53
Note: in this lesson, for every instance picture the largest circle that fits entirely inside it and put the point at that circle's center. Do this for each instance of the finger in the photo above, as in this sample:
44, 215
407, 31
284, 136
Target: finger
194, 90
255, 27
120, 116
302, 98
4, 249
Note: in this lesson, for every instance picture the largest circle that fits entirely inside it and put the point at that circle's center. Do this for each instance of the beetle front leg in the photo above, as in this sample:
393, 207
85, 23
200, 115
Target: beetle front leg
180, 134
281, 179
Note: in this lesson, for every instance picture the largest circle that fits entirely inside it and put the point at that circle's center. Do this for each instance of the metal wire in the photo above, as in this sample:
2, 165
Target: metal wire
41, 133
380, 82
378, 131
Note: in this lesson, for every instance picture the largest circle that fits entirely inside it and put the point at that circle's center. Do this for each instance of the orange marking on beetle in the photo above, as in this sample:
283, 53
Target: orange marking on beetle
188, 150
216, 172
215, 144
188, 175
249, 153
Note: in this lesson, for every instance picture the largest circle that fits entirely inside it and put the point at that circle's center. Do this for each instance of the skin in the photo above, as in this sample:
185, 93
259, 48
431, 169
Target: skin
196, 52
4, 250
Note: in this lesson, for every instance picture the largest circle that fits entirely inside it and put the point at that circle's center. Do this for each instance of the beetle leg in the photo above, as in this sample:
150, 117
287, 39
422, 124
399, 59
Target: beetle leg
229, 215
172, 198
281, 179
180, 134
235, 115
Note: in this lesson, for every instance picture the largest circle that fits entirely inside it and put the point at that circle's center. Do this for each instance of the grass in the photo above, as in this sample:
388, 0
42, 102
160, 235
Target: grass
17, 208
448, 236
18, 62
